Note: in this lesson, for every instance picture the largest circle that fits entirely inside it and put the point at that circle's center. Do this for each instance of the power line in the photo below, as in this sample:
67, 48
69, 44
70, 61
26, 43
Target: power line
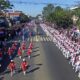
36, 3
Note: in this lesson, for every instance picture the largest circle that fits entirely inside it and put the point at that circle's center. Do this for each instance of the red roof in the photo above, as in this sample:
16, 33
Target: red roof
14, 14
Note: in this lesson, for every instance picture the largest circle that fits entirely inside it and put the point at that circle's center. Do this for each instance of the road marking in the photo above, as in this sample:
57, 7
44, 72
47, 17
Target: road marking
28, 39
37, 39
50, 39
34, 38
41, 38
44, 39
47, 39
31, 39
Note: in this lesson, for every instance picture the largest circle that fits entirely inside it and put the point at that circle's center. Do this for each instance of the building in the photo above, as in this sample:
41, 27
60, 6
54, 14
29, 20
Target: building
13, 14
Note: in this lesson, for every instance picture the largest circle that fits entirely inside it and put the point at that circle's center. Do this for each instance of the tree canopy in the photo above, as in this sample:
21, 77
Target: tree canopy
48, 10
4, 4
24, 17
59, 16
76, 12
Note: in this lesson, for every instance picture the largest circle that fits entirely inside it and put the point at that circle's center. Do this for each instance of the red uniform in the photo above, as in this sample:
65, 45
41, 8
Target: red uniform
12, 66
31, 45
24, 65
9, 51
19, 52
15, 43
13, 47
5, 49
23, 46
29, 52
0, 55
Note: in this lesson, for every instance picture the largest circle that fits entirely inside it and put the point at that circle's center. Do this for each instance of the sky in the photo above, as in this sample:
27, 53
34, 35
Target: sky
33, 10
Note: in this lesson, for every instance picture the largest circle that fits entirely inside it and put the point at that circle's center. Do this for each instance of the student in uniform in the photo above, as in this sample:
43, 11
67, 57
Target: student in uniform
24, 66
12, 67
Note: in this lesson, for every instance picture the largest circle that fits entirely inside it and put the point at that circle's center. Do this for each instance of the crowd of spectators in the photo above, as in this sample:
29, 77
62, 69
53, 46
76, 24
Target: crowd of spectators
67, 43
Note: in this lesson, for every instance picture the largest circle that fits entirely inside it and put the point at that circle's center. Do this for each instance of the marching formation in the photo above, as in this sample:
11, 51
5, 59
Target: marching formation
70, 49
19, 50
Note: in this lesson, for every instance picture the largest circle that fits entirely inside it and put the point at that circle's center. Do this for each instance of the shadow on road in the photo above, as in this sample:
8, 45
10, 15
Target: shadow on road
35, 55
31, 70
34, 69
35, 48
25, 56
6, 72
35, 51
39, 64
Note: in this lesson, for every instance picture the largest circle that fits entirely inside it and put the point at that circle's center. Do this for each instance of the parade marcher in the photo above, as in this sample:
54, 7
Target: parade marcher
31, 45
0, 55
15, 43
5, 50
24, 66
23, 47
12, 67
10, 52
19, 52
29, 52
13, 47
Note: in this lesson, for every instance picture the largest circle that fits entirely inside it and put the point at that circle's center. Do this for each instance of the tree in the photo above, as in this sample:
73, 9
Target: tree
48, 10
78, 24
76, 12
4, 4
24, 18
61, 17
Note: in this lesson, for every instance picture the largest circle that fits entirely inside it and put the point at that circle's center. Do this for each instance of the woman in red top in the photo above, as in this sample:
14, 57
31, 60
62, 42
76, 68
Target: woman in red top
19, 52
12, 67
24, 66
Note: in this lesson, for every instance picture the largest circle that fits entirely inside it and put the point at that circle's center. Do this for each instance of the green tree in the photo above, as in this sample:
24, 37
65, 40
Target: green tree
48, 10
76, 12
4, 4
24, 17
61, 17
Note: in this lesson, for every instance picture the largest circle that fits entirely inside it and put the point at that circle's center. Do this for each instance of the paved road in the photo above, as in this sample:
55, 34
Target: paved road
46, 63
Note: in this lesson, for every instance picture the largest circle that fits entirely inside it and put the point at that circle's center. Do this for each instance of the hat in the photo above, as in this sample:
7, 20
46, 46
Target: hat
12, 60
24, 60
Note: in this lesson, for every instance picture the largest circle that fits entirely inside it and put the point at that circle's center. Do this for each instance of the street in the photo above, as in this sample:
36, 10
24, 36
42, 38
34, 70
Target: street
46, 63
